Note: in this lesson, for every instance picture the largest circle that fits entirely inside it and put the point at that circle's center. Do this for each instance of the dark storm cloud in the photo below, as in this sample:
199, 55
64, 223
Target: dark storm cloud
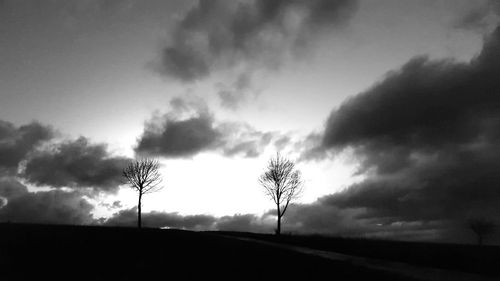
428, 140
10, 188
311, 147
316, 218
180, 138
128, 217
319, 217
175, 135
238, 222
245, 223
426, 105
76, 164
479, 18
72, 14
451, 187
423, 104
17, 142
323, 218
53, 206
222, 34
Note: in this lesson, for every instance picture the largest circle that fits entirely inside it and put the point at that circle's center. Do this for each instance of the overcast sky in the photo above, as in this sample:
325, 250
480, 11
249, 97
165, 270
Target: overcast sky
390, 108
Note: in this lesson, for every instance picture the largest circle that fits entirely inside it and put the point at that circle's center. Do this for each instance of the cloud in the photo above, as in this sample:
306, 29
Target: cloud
238, 222
282, 142
10, 187
17, 142
113, 206
188, 105
224, 34
76, 164
426, 105
180, 138
233, 95
230, 99
481, 17
191, 129
245, 223
440, 190
17, 204
54, 207
315, 218
243, 139
427, 138
128, 217
323, 218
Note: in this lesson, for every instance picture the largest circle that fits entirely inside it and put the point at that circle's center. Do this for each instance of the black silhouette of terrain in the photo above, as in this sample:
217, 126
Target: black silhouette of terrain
42, 252
45, 252
484, 260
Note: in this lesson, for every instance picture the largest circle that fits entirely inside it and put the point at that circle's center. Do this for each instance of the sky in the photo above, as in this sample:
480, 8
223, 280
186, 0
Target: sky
388, 108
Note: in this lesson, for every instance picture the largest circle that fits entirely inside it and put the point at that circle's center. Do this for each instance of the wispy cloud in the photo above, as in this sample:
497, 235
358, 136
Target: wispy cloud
220, 34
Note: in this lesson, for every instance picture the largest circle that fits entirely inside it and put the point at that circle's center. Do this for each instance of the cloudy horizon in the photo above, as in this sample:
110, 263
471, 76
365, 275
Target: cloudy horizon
391, 111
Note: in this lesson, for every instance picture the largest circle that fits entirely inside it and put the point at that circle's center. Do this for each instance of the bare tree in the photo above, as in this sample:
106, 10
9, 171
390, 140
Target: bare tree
282, 182
481, 227
143, 176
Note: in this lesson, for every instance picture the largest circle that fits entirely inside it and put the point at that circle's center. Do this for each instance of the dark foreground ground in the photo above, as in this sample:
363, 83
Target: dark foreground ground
484, 260
38, 252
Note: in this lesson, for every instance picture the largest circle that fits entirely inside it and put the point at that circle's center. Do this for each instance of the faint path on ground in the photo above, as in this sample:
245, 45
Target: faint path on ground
400, 268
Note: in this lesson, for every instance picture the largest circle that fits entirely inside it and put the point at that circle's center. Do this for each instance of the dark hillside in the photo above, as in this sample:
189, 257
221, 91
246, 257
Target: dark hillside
40, 252
466, 258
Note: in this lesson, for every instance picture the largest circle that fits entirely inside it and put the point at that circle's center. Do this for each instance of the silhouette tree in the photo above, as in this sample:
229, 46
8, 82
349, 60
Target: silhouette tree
143, 176
481, 227
282, 182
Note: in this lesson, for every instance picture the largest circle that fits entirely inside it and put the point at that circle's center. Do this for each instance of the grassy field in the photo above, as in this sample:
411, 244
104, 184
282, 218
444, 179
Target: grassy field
483, 260
42, 252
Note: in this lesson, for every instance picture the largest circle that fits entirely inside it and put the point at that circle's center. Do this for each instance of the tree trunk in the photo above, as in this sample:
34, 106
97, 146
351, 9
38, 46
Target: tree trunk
139, 223
278, 229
